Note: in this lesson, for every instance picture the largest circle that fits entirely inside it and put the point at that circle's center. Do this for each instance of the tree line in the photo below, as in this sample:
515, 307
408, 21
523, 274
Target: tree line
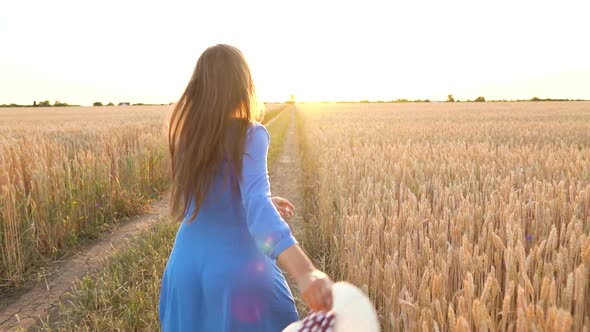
482, 99
57, 103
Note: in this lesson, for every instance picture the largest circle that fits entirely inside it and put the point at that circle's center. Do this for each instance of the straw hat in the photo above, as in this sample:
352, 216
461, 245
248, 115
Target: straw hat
352, 311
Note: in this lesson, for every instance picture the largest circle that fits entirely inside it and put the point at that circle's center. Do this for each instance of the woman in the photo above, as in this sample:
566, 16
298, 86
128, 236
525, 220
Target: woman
222, 273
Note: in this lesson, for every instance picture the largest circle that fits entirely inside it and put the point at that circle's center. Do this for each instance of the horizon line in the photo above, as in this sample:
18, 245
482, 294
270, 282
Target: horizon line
398, 100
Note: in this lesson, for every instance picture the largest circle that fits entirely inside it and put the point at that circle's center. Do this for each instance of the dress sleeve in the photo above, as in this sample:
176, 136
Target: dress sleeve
269, 230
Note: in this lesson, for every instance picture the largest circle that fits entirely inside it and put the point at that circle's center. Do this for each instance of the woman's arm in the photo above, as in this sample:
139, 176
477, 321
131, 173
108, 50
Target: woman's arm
270, 232
315, 285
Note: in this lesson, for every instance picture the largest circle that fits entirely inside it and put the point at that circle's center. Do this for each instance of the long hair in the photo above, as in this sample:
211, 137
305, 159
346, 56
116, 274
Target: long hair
208, 126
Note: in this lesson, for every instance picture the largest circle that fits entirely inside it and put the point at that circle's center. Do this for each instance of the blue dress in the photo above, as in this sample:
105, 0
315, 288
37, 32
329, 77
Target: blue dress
222, 274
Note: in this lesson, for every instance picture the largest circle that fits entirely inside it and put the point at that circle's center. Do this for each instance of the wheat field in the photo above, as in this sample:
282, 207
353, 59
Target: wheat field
67, 173
454, 217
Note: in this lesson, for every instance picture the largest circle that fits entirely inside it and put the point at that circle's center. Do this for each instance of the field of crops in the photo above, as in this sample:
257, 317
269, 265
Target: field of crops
66, 173
454, 217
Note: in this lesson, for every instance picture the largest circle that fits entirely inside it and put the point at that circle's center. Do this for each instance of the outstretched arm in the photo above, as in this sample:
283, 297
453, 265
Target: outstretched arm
270, 232
315, 285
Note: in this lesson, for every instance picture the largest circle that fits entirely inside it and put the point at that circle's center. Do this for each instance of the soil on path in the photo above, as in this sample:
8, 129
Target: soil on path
44, 297
286, 181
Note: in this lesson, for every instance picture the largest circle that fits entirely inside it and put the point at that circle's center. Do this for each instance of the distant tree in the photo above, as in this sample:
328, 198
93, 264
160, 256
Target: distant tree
110, 104
44, 103
480, 99
57, 103
34, 103
450, 99
97, 103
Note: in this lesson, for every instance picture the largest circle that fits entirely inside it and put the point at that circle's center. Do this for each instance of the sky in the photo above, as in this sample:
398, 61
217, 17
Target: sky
80, 51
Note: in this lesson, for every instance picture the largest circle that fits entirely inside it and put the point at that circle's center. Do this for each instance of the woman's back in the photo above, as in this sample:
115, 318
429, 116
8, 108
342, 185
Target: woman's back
220, 276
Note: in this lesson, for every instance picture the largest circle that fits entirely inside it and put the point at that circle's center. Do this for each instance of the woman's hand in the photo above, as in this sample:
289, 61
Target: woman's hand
316, 290
285, 208
315, 285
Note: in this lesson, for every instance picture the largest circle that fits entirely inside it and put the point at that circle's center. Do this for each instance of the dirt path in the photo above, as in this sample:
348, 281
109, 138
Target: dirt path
286, 181
285, 174
44, 297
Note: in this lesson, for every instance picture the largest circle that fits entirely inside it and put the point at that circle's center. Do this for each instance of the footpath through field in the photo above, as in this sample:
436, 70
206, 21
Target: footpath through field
43, 299
286, 181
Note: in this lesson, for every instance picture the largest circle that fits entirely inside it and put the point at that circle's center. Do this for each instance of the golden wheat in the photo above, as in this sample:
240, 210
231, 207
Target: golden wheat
68, 171
455, 216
